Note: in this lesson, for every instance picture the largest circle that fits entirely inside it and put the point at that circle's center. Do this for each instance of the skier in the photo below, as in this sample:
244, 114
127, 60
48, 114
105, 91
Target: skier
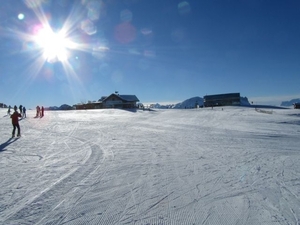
42, 111
8, 111
15, 122
24, 112
38, 111
21, 107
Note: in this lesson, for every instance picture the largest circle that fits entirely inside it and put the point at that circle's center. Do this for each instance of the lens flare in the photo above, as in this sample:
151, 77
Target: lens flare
126, 16
184, 8
21, 16
125, 33
88, 27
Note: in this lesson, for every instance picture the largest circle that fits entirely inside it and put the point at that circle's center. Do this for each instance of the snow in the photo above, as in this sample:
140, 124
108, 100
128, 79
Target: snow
233, 165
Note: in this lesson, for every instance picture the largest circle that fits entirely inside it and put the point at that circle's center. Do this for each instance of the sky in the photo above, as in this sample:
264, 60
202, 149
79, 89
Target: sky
171, 167
55, 52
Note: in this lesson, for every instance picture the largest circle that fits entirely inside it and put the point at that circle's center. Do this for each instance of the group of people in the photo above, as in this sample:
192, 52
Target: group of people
39, 111
22, 114
21, 108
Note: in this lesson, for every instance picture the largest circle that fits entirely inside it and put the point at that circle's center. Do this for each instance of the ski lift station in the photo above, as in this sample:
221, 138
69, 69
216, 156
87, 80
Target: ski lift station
297, 105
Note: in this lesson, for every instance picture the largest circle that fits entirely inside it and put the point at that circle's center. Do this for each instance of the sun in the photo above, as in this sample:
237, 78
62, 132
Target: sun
54, 45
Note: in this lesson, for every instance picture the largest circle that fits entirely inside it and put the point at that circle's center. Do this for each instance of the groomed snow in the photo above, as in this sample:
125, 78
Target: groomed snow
196, 166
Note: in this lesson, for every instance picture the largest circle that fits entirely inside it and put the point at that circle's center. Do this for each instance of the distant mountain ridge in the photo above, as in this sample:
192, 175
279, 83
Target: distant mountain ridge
186, 104
62, 107
290, 103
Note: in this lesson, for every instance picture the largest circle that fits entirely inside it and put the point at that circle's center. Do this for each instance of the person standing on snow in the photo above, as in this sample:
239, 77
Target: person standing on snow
24, 112
21, 109
8, 111
15, 122
38, 111
42, 111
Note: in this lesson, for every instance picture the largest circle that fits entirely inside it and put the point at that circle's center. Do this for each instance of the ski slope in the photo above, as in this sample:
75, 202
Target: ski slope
199, 166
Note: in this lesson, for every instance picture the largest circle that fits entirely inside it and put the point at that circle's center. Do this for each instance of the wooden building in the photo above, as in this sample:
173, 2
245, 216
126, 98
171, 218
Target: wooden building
112, 101
120, 101
222, 100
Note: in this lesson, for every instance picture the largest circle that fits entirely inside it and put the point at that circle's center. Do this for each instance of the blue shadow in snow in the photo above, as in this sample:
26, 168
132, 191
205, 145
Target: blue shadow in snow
5, 144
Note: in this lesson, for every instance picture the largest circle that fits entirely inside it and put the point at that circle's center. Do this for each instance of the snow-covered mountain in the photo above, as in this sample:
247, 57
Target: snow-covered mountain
62, 107
290, 103
189, 103
186, 104
244, 101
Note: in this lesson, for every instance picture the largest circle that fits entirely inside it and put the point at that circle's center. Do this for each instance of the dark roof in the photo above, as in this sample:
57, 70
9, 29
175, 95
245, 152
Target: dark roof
128, 98
222, 96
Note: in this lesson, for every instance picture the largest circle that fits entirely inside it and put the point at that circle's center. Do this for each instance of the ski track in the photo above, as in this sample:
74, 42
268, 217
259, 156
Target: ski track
159, 167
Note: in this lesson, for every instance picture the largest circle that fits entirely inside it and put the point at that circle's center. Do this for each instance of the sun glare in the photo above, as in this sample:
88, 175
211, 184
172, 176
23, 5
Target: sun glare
54, 45
60, 44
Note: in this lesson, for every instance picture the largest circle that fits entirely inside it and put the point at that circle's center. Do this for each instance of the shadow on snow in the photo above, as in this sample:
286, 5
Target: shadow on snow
5, 144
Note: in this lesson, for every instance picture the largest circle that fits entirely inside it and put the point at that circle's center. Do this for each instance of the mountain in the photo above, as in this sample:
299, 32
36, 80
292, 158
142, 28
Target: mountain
244, 101
189, 103
159, 106
62, 107
290, 103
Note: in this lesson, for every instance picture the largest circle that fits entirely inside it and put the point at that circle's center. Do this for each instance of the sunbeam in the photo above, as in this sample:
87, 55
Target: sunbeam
45, 42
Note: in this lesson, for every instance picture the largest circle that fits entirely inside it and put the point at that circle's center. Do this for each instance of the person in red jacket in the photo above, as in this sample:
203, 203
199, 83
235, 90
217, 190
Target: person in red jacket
15, 122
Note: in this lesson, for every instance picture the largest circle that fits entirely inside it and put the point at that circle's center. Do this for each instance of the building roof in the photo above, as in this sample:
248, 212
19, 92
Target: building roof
128, 98
224, 95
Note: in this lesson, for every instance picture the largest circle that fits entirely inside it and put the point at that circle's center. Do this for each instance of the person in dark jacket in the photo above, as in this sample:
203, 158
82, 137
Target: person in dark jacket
38, 109
15, 122
24, 112
8, 111
42, 111
21, 109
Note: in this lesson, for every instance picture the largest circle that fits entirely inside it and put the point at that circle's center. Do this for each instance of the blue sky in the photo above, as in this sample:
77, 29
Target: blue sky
161, 51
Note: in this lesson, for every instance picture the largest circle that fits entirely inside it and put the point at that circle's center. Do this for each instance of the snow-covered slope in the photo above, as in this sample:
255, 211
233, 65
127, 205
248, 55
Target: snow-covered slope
199, 166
